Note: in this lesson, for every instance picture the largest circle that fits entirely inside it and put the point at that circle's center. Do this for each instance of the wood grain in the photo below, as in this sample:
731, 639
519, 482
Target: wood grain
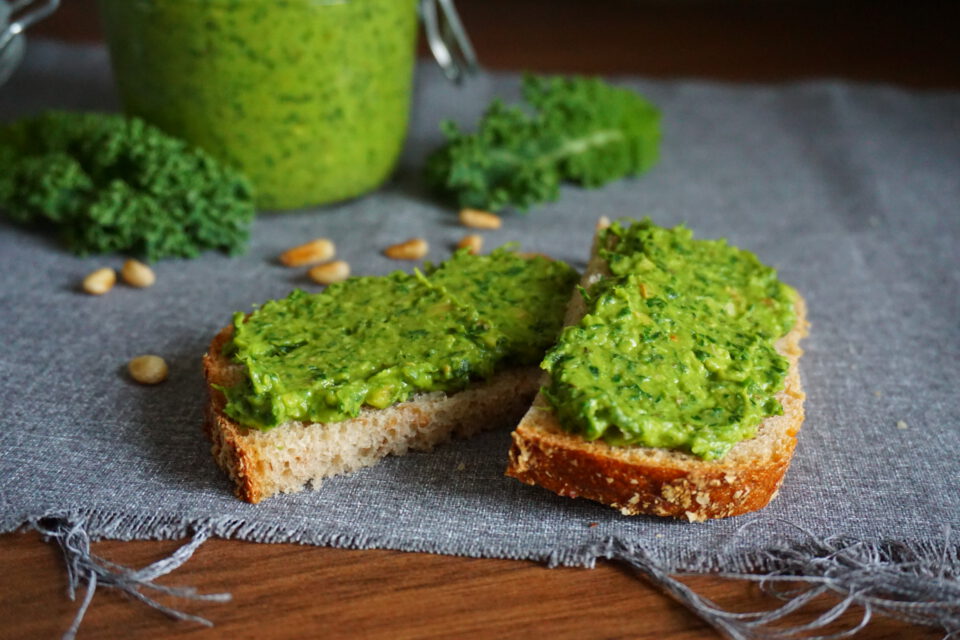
289, 591
910, 43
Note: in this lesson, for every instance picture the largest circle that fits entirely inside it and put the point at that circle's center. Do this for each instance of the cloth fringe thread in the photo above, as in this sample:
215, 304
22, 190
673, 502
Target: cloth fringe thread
914, 584
919, 584
85, 566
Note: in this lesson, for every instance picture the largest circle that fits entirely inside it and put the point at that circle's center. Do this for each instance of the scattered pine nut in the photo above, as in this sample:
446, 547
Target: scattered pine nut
412, 249
602, 223
137, 274
472, 243
148, 369
477, 219
100, 281
318, 250
330, 272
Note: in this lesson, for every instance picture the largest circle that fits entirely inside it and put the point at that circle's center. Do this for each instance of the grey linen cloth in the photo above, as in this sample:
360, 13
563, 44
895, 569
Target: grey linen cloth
851, 191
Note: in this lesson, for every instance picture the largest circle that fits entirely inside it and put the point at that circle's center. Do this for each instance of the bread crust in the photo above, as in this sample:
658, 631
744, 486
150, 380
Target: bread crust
642, 480
292, 455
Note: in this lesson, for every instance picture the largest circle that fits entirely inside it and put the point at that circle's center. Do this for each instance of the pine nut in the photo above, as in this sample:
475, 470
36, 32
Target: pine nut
412, 249
100, 281
148, 369
330, 272
318, 250
137, 274
479, 219
472, 243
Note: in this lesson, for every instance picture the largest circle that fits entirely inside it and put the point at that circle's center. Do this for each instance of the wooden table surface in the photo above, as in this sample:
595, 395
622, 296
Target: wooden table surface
291, 591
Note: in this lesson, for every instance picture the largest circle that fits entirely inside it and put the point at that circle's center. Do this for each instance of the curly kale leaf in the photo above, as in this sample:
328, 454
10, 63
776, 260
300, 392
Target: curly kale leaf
580, 130
110, 183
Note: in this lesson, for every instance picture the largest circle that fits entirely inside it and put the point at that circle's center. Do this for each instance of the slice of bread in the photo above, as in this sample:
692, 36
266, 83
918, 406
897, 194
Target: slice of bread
291, 455
642, 480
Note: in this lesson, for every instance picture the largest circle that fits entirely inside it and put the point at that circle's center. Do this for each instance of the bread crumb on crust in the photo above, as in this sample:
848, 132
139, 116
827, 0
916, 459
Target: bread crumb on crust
662, 482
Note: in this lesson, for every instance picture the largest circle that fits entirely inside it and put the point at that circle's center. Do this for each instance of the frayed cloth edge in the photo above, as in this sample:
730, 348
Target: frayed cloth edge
917, 583
729, 559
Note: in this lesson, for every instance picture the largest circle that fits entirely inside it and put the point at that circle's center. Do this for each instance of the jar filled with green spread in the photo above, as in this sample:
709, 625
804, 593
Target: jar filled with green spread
309, 98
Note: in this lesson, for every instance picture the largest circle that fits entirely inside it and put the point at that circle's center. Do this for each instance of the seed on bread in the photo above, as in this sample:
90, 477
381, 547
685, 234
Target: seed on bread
330, 272
148, 369
137, 274
412, 249
317, 250
476, 219
100, 281
473, 243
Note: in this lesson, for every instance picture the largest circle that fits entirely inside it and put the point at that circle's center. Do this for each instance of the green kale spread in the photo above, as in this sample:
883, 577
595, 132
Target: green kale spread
109, 183
378, 340
677, 347
580, 130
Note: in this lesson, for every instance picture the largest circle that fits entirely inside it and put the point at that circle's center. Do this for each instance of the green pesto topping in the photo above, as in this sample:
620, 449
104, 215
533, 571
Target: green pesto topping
521, 297
376, 341
677, 347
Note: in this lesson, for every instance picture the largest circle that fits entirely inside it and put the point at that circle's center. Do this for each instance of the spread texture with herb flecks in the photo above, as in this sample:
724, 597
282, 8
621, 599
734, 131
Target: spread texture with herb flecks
677, 348
375, 341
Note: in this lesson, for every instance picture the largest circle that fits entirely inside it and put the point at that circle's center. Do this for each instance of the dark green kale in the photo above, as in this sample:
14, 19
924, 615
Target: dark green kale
580, 130
110, 183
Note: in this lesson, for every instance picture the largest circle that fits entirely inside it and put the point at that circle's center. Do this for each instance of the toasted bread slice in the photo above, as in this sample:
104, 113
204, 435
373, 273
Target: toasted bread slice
642, 480
289, 456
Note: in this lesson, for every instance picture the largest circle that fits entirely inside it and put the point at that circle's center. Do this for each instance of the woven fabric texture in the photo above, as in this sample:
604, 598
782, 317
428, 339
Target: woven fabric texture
851, 191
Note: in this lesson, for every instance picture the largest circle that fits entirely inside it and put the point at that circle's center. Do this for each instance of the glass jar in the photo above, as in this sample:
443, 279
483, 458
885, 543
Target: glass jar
15, 18
309, 98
